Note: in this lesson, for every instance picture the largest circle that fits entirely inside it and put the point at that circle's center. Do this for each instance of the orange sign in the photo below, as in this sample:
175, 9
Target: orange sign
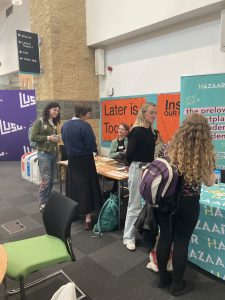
168, 115
115, 112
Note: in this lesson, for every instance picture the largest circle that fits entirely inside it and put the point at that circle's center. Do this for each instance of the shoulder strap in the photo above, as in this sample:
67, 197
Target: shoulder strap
42, 124
97, 227
170, 169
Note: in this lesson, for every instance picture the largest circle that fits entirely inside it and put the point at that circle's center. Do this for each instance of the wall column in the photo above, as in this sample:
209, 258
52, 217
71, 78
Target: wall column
68, 64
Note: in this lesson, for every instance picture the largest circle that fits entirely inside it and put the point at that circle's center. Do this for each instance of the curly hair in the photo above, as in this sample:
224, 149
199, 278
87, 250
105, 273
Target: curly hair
46, 110
191, 149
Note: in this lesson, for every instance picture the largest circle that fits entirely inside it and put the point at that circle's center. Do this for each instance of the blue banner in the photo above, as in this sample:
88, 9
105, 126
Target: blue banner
17, 112
206, 94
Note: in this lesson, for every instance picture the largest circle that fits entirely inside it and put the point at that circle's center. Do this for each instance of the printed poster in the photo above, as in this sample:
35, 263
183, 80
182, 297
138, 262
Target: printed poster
206, 94
168, 115
17, 112
116, 111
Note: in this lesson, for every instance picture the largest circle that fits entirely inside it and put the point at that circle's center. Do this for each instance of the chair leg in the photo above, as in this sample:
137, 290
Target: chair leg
15, 291
5, 283
82, 295
23, 287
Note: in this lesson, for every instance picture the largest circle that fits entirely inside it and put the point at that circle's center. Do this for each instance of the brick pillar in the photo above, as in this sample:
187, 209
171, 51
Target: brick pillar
68, 64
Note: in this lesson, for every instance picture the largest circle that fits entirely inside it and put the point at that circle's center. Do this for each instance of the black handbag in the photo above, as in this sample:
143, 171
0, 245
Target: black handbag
146, 224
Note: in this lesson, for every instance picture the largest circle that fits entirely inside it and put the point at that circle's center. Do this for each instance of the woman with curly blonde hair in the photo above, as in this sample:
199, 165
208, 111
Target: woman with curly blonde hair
191, 153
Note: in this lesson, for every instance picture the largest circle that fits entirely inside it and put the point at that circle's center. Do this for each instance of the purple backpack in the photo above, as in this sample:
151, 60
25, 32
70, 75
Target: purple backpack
159, 183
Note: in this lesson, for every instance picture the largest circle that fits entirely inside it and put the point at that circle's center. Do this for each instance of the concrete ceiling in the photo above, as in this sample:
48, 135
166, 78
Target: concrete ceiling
4, 4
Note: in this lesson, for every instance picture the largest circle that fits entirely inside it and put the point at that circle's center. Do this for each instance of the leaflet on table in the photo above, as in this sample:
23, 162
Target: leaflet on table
117, 173
99, 164
214, 195
102, 169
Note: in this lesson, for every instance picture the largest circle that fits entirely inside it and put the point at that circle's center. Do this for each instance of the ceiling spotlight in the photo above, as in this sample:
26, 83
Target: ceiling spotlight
17, 2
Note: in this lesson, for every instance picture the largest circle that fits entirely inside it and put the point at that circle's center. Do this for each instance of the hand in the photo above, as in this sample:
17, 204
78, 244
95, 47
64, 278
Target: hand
54, 138
143, 169
126, 169
58, 137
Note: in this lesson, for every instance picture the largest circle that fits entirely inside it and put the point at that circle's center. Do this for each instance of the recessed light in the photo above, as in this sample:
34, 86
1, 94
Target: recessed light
17, 2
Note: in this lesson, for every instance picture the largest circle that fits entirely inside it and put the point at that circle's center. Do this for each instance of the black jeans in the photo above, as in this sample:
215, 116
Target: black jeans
183, 223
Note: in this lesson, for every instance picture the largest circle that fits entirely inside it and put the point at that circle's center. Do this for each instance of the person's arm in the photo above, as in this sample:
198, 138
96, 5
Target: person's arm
125, 143
89, 137
131, 147
162, 151
112, 153
36, 133
158, 151
210, 180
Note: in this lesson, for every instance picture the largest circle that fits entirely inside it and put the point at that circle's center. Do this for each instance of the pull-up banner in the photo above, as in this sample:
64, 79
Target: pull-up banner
205, 94
168, 115
17, 112
115, 112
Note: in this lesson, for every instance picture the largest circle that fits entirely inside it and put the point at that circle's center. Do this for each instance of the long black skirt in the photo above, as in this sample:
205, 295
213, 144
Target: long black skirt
82, 184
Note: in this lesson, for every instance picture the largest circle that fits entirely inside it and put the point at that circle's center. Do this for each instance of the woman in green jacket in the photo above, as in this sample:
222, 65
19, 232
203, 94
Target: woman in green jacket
44, 134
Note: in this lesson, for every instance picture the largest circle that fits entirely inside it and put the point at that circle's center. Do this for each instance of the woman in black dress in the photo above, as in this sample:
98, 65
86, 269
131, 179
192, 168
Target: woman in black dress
82, 180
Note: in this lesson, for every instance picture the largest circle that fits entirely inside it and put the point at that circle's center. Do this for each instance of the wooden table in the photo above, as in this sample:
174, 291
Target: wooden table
105, 167
3, 262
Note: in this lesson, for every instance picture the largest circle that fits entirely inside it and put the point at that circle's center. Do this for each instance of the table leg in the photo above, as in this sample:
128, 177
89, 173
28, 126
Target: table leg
103, 184
119, 203
60, 180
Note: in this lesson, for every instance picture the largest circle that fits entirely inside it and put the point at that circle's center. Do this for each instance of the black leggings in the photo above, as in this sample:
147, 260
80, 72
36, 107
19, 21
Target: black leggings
183, 224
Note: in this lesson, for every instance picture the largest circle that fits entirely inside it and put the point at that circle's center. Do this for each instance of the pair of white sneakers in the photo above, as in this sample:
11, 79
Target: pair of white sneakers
130, 246
153, 265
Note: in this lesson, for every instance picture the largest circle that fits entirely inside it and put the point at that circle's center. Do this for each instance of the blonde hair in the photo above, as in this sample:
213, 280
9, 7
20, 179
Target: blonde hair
191, 149
140, 119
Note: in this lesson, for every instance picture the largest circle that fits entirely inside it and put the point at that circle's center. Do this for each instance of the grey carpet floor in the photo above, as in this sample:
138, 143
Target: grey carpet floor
105, 269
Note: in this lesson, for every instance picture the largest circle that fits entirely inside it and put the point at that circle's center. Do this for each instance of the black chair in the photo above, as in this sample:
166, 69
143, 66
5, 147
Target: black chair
36, 253
63, 153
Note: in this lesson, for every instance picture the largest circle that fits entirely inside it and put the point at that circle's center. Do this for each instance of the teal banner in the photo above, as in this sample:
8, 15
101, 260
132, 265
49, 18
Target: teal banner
207, 245
205, 94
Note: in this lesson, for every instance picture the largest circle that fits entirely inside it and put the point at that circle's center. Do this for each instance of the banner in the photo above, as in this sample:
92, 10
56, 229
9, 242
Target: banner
207, 245
114, 112
205, 94
17, 112
168, 115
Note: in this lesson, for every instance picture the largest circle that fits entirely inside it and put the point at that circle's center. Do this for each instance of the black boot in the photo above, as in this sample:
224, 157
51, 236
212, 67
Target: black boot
182, 288
165, 280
